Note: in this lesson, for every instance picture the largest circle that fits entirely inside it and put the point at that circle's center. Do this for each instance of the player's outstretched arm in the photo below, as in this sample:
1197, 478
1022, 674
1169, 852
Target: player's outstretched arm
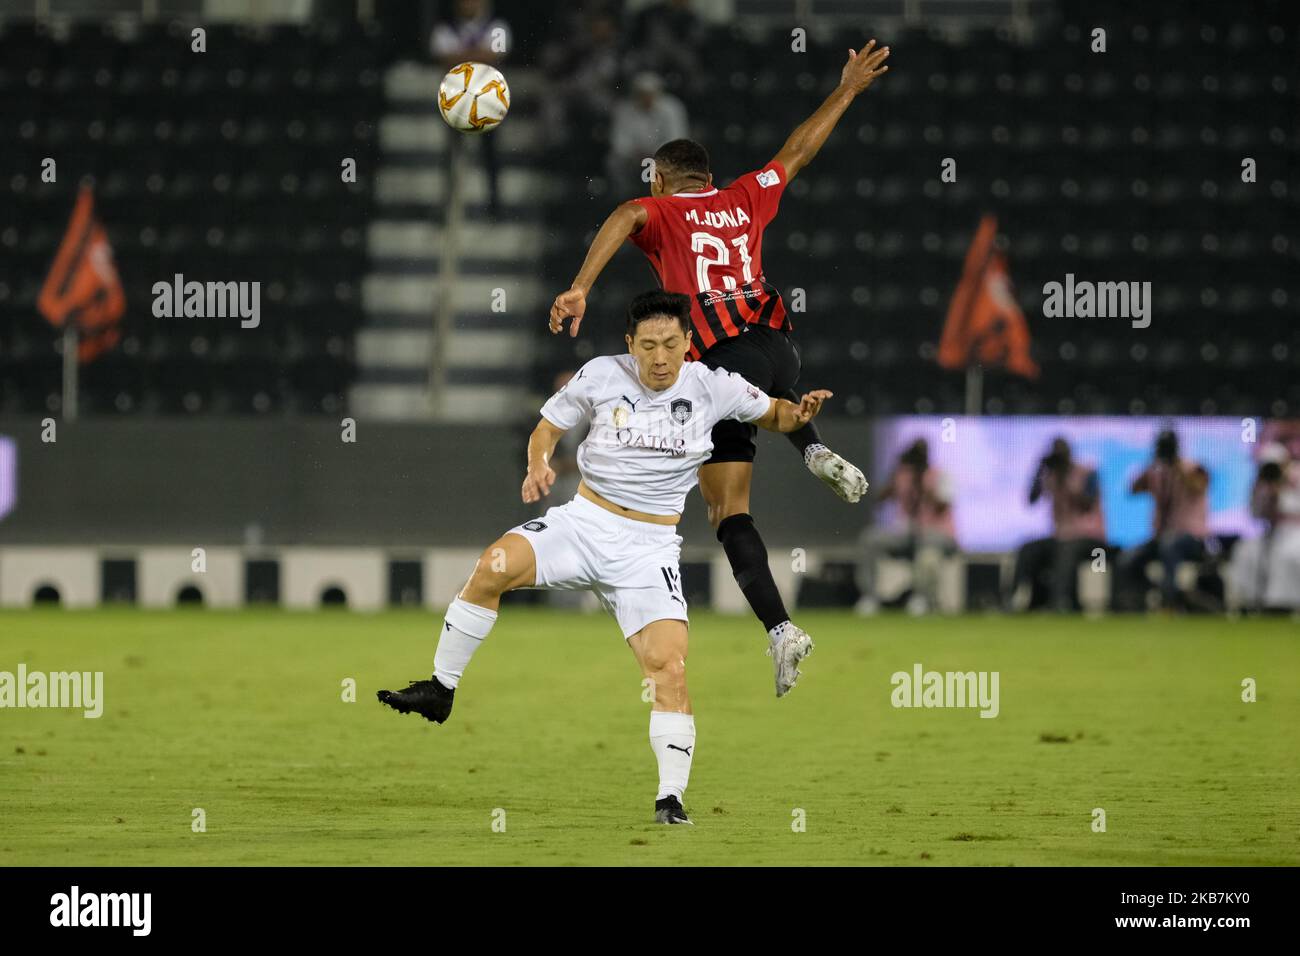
622, 222
783, 416
858, 74
540, 476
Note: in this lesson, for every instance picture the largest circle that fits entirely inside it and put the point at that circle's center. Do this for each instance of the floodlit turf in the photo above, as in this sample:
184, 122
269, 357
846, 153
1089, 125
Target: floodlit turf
240, 714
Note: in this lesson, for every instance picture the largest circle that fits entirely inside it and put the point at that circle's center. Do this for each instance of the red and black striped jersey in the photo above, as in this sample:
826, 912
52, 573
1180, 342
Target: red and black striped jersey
709, 245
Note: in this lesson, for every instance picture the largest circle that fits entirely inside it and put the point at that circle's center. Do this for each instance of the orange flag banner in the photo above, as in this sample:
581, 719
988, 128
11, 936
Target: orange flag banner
985, 325
83, 285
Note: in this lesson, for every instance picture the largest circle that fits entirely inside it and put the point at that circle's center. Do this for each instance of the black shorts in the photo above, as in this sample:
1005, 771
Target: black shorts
766, 358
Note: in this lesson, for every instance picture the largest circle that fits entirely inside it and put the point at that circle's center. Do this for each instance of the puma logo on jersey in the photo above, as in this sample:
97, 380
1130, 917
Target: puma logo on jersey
685, 750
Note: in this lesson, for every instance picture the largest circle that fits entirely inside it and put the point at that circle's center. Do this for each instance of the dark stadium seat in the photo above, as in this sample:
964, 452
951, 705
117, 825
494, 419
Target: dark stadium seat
205, 165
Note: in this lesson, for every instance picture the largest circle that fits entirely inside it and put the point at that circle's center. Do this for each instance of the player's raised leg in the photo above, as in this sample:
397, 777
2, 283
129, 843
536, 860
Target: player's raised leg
725, 487
660, 649
508, 563
844, 478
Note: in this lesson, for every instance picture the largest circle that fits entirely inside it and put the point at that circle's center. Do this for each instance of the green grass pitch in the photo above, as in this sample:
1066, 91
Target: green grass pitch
241, 715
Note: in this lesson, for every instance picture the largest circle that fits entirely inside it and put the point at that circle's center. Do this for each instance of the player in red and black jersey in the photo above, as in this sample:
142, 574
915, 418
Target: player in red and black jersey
707, 243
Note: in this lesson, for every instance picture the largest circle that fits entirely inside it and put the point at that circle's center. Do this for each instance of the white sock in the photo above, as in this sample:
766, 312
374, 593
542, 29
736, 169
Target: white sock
811, 450
678, 732
463, 630
778, 632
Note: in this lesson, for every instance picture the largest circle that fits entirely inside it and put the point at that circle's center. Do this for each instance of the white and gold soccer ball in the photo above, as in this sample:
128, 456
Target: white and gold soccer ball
473, 98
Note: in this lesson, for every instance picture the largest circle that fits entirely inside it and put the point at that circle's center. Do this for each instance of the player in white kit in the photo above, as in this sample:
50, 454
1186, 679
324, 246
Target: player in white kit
651, 417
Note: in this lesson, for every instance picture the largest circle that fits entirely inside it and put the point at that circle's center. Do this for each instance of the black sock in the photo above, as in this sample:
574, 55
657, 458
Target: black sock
801, 438
748, 557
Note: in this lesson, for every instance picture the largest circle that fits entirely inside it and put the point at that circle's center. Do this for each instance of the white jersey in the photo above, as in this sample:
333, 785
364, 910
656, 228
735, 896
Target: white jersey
645, 448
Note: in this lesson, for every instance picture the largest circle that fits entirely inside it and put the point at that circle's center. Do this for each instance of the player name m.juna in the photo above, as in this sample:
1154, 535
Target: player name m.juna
208, 300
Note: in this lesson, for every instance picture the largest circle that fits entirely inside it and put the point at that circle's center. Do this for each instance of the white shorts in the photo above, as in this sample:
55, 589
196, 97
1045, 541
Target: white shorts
632, 566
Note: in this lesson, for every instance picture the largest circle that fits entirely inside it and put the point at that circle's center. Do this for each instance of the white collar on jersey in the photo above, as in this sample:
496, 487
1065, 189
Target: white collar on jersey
695, 195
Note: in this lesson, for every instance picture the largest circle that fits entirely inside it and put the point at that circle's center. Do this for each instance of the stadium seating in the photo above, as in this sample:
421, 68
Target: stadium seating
1115, 169
222, 166
1122, 168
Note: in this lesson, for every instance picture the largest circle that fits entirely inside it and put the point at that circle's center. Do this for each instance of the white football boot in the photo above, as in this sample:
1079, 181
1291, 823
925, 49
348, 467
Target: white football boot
844, 477
789, 645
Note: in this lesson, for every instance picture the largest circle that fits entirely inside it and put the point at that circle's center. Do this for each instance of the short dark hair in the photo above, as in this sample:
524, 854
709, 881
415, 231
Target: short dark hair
659, 304
682, 157
1167, 444
917, 455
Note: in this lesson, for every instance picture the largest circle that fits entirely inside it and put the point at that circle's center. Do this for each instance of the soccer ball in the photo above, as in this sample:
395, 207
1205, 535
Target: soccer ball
473, 97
